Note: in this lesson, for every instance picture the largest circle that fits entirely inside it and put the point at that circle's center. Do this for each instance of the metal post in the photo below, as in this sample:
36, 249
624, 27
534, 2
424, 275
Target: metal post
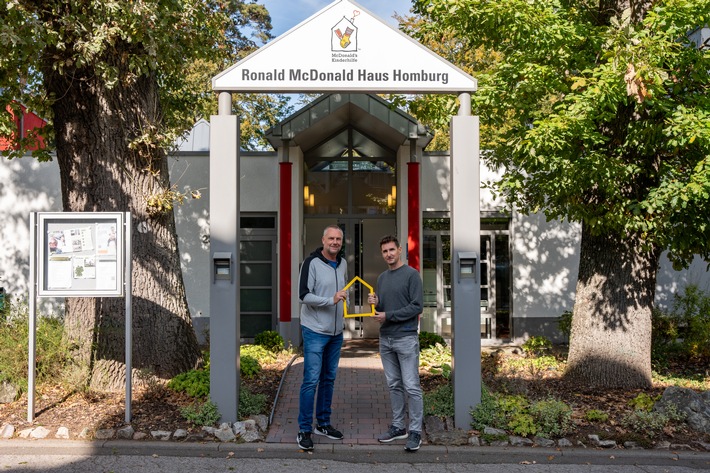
224, 248
465, 280
128, 296
32, 350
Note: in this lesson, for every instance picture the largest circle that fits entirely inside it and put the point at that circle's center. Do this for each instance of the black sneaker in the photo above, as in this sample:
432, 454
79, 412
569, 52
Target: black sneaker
304, 440
329, 431
392, 434
413, 442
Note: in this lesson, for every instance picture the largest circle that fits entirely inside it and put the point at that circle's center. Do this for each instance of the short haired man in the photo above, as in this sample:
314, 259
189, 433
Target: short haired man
398, 304
320, 289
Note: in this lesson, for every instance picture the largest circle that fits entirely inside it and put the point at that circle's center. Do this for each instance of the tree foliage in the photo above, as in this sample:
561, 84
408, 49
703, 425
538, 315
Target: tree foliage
182, 43
118, 82
599, 115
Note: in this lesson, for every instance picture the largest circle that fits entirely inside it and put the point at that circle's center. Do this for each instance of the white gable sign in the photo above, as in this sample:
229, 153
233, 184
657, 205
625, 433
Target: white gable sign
344, 47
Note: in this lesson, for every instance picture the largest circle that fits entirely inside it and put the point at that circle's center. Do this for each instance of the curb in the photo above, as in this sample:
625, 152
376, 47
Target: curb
351, 453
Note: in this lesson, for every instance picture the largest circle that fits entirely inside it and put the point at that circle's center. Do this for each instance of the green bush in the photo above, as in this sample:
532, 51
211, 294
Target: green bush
437, 360
692, 308
428, 339
53, 353
249, 366
259, 353
536, 345
440, 401
195, 383
486, 413
595, 415
250, 403
644, 402
564, 323
514, 413
552, 418
664, 336
535, 365
271, 340
200, 414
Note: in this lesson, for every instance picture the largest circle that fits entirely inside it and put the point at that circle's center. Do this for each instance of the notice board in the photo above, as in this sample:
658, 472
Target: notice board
81, 254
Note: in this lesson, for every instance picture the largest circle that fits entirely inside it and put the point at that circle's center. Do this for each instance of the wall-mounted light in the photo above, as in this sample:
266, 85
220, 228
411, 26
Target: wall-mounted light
306, 193
312, 200
394, 192
389, 200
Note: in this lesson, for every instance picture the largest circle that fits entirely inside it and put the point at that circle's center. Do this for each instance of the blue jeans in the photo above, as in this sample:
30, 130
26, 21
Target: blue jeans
400, 360
321, 354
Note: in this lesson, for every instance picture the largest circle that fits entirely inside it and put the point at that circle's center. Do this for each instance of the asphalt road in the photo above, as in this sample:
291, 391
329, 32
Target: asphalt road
50, 456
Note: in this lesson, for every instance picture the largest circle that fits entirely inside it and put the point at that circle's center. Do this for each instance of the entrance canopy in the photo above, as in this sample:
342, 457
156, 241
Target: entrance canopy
379, 128
344, 47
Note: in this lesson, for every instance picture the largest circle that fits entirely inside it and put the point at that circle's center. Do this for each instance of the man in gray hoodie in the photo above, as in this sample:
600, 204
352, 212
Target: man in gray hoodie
321, 280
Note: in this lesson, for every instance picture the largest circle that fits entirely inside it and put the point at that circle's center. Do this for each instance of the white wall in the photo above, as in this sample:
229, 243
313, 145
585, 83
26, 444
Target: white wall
545, 260
545, 255
26, 186
258, 192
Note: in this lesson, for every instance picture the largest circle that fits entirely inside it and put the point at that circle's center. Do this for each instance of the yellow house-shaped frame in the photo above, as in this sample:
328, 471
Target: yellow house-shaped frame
345, 304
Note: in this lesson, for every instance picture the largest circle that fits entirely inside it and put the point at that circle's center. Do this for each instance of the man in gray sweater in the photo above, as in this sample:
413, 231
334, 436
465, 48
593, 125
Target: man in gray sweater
398, 304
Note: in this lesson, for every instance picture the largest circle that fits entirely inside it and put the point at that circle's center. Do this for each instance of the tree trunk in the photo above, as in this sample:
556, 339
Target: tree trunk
100, 172
610, 344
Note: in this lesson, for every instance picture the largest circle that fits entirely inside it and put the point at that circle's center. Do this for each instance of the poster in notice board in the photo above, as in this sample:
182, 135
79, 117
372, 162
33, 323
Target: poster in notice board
81, 254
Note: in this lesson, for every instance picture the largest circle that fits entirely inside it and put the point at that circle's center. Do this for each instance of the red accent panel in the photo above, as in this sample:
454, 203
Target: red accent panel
285, 227
414, 231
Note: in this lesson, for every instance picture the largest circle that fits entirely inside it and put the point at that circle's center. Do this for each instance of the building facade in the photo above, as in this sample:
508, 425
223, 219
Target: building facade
354, 151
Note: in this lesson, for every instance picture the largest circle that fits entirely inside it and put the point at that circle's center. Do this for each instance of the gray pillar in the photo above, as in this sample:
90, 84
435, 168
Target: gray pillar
224, 250
465, 282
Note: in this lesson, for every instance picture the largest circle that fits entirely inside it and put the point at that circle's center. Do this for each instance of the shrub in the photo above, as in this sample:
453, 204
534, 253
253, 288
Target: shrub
249, 366
516, 414
595, 415
270, 339
200, 414
259, 353
536, 345
486, 413
53, 353
437, 360
440, 401
644, 402
664, 336
250, 403
564, 323
652, 424
552, 417
428, 339
693, 308
535, 365
195, 383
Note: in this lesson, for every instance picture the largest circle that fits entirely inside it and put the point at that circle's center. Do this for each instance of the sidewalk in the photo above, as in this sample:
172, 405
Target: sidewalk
361, 406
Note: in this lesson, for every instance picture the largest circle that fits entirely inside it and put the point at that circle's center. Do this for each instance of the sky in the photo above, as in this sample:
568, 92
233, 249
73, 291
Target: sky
285, 14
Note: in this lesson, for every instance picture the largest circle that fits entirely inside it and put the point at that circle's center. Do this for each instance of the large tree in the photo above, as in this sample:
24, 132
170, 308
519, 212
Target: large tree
119, 81
599, 112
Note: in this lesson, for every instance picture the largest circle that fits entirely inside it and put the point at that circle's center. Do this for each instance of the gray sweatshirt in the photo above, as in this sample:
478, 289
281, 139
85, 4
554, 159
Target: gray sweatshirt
400, 296
318, 281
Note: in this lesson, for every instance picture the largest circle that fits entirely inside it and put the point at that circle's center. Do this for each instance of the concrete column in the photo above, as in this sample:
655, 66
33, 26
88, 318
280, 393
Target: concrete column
465, 241
224, 249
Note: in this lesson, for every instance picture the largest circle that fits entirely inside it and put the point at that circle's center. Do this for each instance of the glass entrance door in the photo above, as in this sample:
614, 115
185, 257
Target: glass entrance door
362, 252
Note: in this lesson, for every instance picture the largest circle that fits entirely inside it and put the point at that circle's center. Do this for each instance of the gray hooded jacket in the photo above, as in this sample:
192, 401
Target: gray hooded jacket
318, 281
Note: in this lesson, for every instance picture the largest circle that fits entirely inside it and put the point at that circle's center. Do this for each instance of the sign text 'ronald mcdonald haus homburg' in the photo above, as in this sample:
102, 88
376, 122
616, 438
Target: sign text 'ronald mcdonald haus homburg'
345, 75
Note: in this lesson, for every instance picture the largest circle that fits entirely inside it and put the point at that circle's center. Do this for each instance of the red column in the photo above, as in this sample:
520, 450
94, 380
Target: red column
285, 241
415, 231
